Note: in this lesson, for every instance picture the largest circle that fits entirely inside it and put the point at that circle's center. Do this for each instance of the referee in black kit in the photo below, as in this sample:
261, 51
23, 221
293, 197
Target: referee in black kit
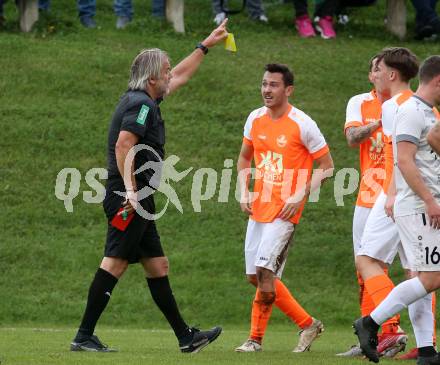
137, 122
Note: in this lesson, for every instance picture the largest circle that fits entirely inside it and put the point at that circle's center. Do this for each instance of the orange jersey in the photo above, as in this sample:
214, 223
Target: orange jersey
389, 110
362, 110
284, 150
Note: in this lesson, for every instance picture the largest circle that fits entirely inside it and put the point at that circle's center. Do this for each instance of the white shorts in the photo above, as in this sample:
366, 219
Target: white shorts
360, 217
420, 241
381, 239
267, 245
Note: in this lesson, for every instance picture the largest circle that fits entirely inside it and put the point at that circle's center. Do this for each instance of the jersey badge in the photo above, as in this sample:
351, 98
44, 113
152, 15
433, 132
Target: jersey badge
142, 116
282, 140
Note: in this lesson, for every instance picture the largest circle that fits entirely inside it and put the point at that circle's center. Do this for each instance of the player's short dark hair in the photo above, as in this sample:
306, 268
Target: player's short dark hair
429, 69
288, 78
401, 59
371, 63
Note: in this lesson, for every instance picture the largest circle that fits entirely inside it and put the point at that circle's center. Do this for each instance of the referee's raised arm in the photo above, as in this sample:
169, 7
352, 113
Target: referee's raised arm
184, 70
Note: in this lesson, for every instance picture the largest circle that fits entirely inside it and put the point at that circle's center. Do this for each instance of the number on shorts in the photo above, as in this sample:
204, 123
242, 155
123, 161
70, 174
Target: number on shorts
434, 256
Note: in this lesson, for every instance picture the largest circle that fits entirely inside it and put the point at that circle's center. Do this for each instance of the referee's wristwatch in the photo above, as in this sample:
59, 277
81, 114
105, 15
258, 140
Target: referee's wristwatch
203, 48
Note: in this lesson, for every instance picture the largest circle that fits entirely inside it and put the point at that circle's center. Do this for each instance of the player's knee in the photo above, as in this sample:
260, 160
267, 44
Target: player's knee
267, 298
430, 280
114, 266
157, 267
252, 279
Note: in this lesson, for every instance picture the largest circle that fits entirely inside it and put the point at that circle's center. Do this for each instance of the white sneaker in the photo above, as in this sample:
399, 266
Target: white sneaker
354, 351
308, 335
249, 346
263, 18
219, 18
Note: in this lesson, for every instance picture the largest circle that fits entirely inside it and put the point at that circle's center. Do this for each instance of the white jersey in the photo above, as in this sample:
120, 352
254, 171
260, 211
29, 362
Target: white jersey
413, 121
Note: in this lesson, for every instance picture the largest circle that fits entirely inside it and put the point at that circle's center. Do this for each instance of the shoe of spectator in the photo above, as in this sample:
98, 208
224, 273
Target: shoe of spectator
343, 19
262, 18
122, 22
324, 26
308, 335
353, 351
304, 27
426, 31
219, 17
410, 355
390, 344
88, 22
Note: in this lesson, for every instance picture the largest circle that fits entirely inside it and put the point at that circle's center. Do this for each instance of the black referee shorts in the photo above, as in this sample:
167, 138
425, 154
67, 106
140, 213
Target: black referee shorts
140, 239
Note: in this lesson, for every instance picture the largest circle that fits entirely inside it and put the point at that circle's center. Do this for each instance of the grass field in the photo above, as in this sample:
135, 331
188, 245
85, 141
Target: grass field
50, 346
58, 88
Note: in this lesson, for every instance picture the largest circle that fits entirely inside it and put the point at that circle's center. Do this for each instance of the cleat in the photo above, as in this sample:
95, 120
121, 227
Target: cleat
390, 344
200, 339
354, 351
367, 340
431, 360
410, 355
308, 335
249, 346
91, 344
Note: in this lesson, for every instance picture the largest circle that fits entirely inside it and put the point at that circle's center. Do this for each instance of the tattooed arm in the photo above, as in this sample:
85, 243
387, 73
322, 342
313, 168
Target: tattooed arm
357, 135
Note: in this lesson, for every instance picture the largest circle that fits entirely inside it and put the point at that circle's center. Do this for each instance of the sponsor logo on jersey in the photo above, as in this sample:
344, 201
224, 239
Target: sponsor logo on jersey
270, 169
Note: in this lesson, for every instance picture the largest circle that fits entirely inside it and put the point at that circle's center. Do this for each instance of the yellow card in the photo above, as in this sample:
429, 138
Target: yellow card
230, 43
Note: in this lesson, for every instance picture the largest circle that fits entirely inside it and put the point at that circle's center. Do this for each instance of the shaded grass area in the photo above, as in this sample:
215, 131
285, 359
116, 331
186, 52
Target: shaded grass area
58, 88
50, 346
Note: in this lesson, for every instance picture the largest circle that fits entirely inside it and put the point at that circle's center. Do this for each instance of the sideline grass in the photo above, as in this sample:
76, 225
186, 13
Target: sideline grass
44, 346
58, 88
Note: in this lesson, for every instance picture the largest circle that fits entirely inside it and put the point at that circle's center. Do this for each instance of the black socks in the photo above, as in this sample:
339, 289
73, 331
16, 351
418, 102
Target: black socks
99, 295
163, 297
427, 351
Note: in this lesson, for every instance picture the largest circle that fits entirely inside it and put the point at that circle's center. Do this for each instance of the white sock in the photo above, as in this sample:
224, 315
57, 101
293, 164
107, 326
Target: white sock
422, 320
400, 297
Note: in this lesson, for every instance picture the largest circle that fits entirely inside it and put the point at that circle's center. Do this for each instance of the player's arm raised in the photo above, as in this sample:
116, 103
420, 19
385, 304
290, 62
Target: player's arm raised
184, 70
244, 171
434, 138
406, 152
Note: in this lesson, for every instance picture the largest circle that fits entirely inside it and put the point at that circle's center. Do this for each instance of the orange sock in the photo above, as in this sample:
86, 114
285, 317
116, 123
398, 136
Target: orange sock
379, 287
434, 304
365, 301
261, 311
290, 307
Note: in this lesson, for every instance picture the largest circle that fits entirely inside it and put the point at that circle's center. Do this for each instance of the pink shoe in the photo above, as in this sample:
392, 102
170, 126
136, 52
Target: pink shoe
324, 26
304, 26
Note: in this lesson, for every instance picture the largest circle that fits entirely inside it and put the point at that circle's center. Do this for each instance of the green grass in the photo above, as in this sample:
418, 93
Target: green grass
50, 346
58, 88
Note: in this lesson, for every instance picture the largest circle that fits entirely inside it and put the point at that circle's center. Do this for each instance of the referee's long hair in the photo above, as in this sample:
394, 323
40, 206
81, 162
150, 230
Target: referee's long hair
145, 66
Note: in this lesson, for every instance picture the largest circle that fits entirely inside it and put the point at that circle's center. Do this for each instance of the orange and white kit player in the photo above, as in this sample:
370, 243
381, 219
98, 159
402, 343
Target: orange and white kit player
284, 142
381, 242
363, 129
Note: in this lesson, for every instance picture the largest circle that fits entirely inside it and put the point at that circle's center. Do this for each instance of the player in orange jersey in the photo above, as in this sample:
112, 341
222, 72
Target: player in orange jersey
380, 241
284, 142
363, 129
